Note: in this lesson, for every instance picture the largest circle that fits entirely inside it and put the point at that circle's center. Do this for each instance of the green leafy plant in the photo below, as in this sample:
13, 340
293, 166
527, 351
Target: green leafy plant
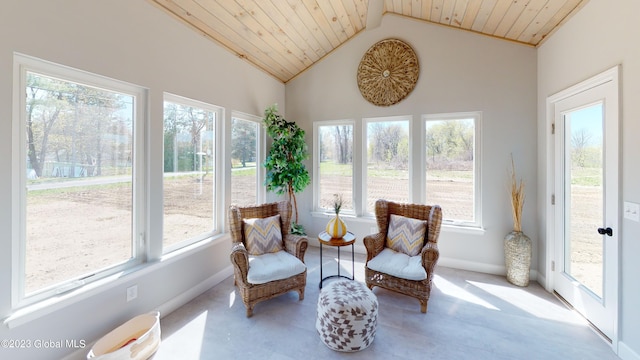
337, 203
286, 173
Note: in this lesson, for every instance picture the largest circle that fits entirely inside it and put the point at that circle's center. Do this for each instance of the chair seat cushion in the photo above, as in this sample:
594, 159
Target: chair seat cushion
398, 264
273, 266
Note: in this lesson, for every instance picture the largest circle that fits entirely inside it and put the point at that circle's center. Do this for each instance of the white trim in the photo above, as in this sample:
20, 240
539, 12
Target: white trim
316, 163
181, 100
217, 224
552, 218
18, 169
609, 75
171, 305
182, 299
261, 154
129, 276
364, 161
626, 353
478, 267
23, 64
472, 266
476, 116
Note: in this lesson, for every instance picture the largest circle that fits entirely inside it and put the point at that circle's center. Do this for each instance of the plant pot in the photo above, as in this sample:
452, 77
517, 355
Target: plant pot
336, 228
517, 257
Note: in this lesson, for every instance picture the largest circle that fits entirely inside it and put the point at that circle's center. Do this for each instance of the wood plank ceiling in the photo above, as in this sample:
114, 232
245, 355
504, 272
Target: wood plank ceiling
285, 37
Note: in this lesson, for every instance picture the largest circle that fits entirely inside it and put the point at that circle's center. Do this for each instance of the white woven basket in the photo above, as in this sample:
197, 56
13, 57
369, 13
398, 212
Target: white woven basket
137, 339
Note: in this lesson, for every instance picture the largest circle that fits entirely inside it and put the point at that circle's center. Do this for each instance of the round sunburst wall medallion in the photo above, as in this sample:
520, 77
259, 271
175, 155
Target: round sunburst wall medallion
388, 72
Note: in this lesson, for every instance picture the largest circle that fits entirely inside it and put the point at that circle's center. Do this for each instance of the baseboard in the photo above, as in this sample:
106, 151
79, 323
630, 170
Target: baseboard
192, 293
542, 280
170, 305
449, 262
456, 264
626, 353
480, 267
472, 266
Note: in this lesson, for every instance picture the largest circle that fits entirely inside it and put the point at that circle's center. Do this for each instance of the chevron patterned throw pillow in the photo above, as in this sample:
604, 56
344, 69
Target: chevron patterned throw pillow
406, 235
263, 236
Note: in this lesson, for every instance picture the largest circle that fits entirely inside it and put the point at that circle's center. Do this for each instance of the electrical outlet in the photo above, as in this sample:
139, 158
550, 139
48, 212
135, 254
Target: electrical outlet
631, 211
132, 292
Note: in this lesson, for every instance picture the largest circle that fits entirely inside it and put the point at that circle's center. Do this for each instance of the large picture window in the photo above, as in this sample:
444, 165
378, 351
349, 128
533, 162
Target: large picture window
334, 164
189, 181
452, 165
78, 143
387, 160
246, 159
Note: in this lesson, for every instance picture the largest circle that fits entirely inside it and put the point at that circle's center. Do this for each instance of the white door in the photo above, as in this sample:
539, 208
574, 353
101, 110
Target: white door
586, 200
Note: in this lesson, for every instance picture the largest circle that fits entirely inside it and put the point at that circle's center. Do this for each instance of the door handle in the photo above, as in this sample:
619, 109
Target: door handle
608, 231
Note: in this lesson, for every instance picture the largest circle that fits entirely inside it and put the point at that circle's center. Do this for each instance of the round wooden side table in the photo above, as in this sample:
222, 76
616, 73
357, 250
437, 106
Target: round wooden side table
348, 239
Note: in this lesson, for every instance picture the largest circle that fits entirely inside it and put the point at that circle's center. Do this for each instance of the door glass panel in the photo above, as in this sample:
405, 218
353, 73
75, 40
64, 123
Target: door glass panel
584, 200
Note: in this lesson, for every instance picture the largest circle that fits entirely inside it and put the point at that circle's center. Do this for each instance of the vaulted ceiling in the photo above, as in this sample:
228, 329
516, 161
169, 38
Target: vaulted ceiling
285, 37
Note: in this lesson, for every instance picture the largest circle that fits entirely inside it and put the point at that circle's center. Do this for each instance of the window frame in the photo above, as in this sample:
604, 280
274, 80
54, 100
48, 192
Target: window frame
476, 116
261, 151
364, 156
316, 166
217, 207
22, 65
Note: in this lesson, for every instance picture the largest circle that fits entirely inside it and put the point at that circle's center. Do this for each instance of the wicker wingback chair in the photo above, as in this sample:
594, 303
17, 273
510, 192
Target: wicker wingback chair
293, 244
375, 243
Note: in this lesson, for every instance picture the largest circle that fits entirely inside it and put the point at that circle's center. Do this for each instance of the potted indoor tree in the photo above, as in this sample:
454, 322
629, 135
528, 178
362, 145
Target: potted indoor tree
286, 172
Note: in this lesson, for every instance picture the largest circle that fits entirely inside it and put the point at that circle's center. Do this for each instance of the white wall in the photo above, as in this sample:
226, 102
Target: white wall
136, 42
459, 71
601, 35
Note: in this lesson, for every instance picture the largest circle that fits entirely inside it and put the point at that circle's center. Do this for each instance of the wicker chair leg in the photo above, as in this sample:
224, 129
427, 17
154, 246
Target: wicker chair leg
300, 294
249, 310
423, 306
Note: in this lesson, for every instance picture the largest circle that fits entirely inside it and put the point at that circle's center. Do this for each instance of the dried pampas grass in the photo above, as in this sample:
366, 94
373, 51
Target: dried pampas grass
517, 198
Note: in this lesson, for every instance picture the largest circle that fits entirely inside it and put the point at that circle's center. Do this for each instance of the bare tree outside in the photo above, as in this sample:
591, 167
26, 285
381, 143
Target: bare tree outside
450, 167
336, 165
387, 161
79, 180
244, 171
188, 161
585, 197
586, 148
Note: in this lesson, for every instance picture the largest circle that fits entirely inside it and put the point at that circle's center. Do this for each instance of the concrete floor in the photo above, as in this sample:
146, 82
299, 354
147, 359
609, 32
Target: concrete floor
470, 316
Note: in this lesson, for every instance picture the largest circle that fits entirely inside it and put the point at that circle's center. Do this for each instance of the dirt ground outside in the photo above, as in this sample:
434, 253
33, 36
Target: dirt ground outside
76, 231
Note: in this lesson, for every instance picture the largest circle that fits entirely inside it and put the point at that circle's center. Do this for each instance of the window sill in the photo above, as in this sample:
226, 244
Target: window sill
39, 309
370, 219
462, 229
344, 215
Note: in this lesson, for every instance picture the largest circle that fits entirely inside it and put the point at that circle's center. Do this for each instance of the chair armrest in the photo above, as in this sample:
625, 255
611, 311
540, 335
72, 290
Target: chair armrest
430, 255
296, 245
374, 244
240, 261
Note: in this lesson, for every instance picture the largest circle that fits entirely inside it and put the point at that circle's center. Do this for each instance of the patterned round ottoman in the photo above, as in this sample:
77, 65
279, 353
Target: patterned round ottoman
347, 316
